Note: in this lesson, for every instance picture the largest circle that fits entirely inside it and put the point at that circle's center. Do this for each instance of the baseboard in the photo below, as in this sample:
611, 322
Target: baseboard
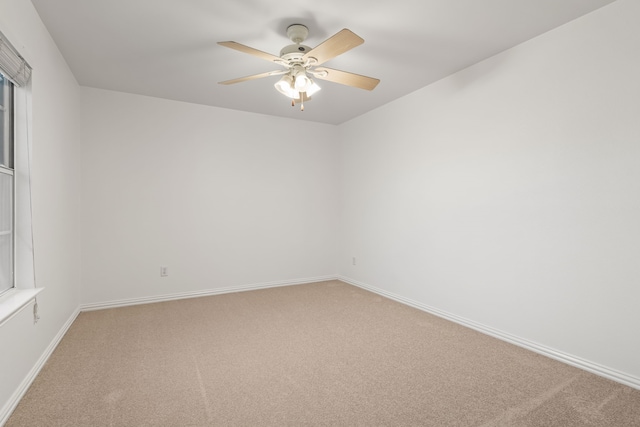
577, 362
202, 293
11, 405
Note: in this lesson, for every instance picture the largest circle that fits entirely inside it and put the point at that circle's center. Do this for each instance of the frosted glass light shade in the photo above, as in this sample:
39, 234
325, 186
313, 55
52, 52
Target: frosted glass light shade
313, 88
285, 87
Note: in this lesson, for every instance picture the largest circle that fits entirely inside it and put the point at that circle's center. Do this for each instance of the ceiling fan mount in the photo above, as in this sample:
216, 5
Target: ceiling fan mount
297, 33
300, 62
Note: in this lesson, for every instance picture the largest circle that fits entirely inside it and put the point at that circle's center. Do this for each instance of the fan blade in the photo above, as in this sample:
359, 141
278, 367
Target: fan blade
345, 78
251, 51
335, 45
253, 77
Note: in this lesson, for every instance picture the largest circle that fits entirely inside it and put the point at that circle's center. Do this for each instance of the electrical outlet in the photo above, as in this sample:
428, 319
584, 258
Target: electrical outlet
164, 272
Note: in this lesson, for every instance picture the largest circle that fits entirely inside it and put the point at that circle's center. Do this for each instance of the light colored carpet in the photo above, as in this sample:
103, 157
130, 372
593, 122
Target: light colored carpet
322, 354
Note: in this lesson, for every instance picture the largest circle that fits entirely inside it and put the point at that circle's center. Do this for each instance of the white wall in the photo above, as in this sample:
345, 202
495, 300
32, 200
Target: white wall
508, 194
222, 198
56, 176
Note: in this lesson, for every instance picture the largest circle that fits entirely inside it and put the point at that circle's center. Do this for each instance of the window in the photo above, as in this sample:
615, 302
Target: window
7, 247
15, 277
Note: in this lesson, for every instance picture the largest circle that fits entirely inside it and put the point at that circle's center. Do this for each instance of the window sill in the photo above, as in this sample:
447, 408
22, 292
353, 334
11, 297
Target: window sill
15, 300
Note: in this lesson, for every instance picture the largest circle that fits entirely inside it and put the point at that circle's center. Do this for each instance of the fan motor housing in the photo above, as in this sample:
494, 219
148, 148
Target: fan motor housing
294, 52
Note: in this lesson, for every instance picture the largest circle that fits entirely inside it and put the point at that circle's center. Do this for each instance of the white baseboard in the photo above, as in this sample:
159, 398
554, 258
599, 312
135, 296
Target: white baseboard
11, 405
203, 293
577, 362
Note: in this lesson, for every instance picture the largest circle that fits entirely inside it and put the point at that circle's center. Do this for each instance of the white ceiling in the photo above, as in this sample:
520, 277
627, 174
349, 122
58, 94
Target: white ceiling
167, 48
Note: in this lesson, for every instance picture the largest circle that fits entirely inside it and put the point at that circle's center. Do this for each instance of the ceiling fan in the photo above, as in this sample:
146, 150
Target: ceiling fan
301, 63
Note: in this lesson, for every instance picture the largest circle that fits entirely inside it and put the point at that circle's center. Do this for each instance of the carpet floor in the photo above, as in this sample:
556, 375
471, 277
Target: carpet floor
321, 354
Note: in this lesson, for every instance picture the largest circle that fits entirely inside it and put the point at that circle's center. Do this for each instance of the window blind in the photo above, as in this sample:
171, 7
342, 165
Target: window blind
13, 66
